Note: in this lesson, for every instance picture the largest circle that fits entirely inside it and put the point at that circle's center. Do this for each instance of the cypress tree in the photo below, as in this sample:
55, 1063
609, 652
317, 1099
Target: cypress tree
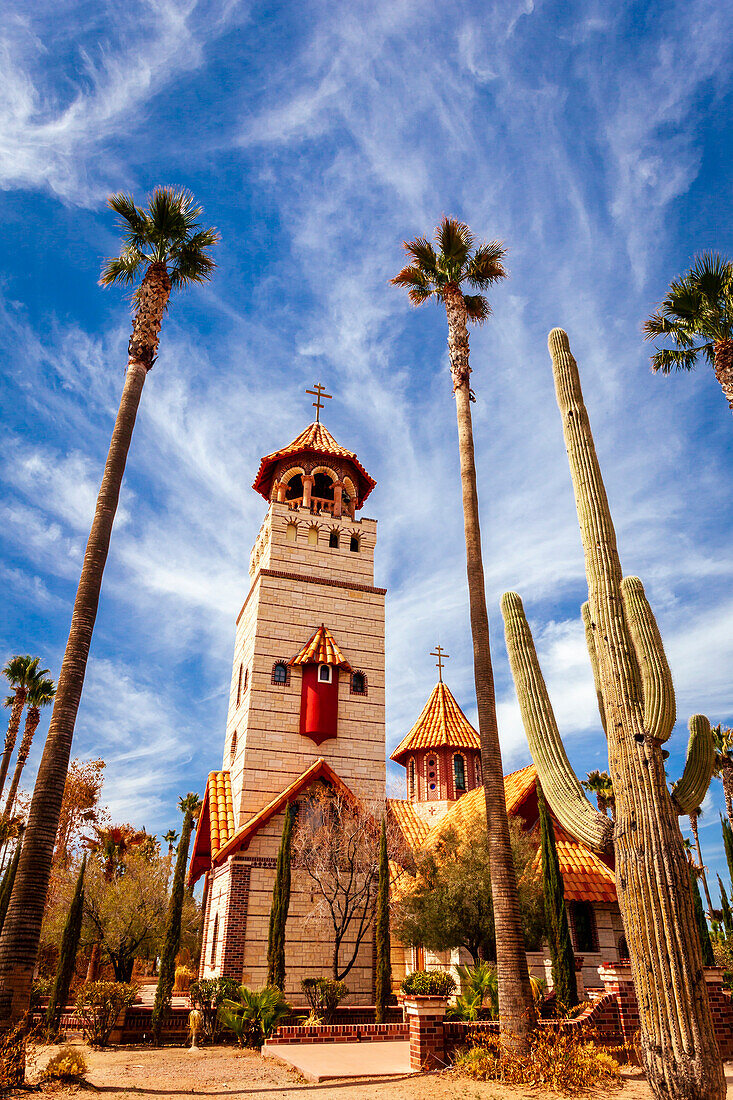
6, 887
280, 906
708, 958
67, 955
725, 906
164, 991
727, 843
556, 916
384, 968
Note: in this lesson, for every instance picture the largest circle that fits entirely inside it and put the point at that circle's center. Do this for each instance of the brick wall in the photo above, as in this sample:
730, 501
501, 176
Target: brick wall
340, 1033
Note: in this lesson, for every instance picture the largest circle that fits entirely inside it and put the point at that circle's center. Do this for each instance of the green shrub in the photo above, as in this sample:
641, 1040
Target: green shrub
324, 995
68, 1065
255, 1015
208, 995
98, 1004
429, 983
479, 996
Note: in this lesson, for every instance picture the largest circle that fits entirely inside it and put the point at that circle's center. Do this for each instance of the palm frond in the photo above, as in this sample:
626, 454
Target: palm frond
456, 241
191, 264
667, 360
713, 276
659, 324
123, 205
477, 308
123, 269
486, 266
172, 213
419, 287
423, 254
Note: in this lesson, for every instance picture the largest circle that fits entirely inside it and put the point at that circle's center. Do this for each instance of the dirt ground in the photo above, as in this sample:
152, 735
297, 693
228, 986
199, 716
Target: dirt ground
224, 1072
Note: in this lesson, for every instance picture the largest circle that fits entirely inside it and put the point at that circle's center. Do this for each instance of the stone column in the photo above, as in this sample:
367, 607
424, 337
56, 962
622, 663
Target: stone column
425, 1016
280, 488
616, 978
338, 488
308, 480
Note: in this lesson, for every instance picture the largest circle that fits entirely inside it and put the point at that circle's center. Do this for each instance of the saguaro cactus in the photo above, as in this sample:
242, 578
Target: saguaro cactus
681, 1057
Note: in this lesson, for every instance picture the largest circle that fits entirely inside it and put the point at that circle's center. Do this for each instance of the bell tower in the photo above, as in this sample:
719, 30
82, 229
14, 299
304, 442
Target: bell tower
308, 671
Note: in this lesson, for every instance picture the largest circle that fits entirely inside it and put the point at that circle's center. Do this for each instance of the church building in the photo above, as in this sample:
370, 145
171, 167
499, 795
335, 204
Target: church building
307, 706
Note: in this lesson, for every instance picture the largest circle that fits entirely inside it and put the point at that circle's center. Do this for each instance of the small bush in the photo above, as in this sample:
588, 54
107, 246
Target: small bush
324, 995
98, 1004
255, 1015
184, 977
556, 1060
68, 1065
429, 983
208, 995
40, 991
311, 1020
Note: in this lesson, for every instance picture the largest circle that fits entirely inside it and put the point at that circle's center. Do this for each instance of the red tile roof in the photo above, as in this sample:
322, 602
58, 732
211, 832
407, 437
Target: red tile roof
315, 439
321, 649
441, 722
414, 829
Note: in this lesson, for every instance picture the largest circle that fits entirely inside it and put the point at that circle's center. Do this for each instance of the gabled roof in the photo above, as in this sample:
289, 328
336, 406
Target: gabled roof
321, 649
319, 769
315, 439
441, 722
412, 826
215, 824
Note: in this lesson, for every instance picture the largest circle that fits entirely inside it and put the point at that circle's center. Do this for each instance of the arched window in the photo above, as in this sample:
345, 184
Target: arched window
294, 490
291, 532
281, 673
323, 486
239, 686
354, 545
324, 674
214, 938
233, 750
411, 792
333, 540
459, 773
358, 683
313, 536
583, 920
478, 771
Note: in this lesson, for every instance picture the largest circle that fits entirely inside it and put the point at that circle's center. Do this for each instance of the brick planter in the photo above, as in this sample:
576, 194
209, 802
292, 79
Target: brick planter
425, 1016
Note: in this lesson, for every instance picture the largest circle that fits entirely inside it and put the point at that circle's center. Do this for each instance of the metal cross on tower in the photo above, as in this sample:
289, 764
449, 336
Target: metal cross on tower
318, 392
440, 654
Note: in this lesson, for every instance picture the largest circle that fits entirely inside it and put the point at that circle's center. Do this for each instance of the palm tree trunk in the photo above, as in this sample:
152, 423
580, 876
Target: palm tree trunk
20, 936
723, 367
32, 718
516, 1004
12, 735
703, 876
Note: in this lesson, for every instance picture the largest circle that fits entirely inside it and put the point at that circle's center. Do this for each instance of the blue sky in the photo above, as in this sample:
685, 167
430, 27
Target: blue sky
592, 138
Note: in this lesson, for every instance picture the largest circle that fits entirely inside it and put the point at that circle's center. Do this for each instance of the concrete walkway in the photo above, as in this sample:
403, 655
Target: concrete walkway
325, 1061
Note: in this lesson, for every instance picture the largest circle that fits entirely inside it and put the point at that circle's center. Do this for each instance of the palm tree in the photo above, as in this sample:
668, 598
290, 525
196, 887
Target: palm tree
723, 738
40, 694
440, 275
700, 868
21, 672
164, 249
170, 839
601, 784
697, 315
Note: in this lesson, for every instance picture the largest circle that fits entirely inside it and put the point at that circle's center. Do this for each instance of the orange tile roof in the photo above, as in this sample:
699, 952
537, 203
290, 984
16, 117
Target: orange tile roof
315, 439
221, 810
441, 722
585, 876
321, 649
319, 769
413, 828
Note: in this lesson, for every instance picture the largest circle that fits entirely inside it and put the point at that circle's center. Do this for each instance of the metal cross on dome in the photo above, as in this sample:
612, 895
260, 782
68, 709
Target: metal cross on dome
440, 654
318, 392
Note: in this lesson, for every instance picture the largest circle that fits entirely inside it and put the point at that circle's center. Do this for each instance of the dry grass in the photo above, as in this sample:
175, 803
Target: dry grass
556, 1060
69, 1064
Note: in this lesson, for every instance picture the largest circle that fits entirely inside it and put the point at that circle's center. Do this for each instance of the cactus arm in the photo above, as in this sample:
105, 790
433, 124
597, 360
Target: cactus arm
557, 778
690, 789
656, 679
590, 642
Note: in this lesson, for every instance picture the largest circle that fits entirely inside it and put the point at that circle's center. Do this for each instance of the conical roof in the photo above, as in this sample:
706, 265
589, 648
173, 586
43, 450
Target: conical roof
321, 649
315, 439
441, 722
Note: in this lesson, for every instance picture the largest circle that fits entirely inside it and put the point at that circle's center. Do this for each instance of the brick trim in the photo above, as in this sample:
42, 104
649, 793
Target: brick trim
234, 933
309, 580
280, 683
352, 690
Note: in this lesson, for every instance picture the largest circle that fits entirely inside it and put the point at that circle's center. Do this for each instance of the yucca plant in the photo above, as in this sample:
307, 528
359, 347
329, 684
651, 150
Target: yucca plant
256, 1014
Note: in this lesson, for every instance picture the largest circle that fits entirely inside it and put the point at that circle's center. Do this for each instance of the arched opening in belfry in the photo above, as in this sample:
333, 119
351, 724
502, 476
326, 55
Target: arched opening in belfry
295, 488
323, 487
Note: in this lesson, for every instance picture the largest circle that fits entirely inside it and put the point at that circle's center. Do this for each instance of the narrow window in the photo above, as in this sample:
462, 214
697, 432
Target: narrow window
313, 536
623, 949
432, 773
411, 779
459, 772
478, 771
246, 678
354, 545
233, 750
333, 540
358, 683
324, 674
291, 532
280, 673
214, 937
584, 921
239, 686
